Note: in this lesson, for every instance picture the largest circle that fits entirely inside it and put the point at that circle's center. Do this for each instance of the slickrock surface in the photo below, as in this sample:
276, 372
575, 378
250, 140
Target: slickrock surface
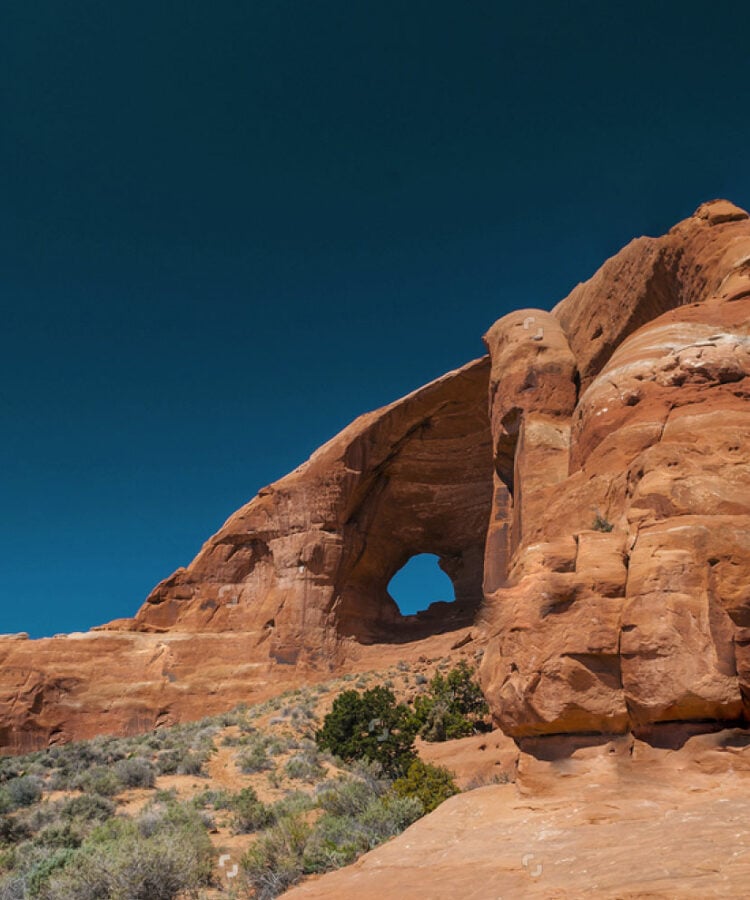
586, 488
620, 819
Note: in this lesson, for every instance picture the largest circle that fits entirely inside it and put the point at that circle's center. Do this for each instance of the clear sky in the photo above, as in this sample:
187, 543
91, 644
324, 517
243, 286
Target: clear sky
227, 228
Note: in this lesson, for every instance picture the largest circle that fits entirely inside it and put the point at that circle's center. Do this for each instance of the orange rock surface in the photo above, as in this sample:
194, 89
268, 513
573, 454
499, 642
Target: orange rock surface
586, 487
611, 819
644, 620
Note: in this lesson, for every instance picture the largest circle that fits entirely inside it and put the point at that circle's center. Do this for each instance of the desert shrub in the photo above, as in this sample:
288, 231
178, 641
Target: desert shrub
385, 817
181, 761
135, 772
119, 862
13, 887
601, 524
38, 816
168, 761
487, 779
431, 785
333, 843
23, 790
305, 767
38, 876
248, 812
338, 839
191, 763
346, 797
60, 835
99, 780
13, 830
257, 755
88, 808
294, 803
275, 861
219, 799
453, 706
372, 726
11, 767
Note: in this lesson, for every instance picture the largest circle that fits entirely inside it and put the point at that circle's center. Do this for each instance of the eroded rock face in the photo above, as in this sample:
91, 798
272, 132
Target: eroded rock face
308, 561
644, 622
586, 488
293, 587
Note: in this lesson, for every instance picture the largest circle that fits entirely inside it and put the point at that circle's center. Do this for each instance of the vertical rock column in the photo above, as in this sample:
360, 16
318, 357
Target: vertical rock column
532, 393
551, 662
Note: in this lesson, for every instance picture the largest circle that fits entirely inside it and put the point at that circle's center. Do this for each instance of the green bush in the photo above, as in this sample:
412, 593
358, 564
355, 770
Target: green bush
63, 835
359, 812
387, 816
338, 838
255, 758
191, 763
275, 861
135, 772
99, 780
347, 796
181, 761
248, 812
431, 785
305, 767
168, 761
294, 803
120, 863
13, 830
601, 524
219, 799
333, 843
453, 706
23, 791
88, 808
39, 874
370, 726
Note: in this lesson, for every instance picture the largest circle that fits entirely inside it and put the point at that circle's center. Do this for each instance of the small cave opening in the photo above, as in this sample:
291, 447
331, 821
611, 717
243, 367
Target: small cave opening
419, 583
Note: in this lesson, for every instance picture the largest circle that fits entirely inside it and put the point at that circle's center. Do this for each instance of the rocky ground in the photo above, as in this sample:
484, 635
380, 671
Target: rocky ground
549, 817
194, 777
618, 820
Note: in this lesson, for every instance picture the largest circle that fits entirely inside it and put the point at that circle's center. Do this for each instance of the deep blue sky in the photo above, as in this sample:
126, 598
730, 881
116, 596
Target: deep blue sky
227, 228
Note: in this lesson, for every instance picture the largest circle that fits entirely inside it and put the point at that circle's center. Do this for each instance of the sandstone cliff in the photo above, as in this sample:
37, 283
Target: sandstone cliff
586, 487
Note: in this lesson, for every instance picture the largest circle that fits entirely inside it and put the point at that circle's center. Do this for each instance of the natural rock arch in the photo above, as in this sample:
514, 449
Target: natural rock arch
314, 553
630, 398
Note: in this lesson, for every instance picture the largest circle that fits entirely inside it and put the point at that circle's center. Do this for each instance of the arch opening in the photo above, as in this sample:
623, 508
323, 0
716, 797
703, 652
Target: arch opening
419, 583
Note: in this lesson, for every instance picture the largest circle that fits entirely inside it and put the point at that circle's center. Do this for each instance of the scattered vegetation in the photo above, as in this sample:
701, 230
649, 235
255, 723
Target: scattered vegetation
163, 853
110, 817
359, 811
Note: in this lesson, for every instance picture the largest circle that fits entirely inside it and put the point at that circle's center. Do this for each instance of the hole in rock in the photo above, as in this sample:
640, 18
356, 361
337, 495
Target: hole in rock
419, 583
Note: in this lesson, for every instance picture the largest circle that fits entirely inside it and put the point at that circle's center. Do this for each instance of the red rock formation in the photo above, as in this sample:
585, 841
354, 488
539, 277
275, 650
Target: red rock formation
626, 407
308, 561
645, 623
291, 587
